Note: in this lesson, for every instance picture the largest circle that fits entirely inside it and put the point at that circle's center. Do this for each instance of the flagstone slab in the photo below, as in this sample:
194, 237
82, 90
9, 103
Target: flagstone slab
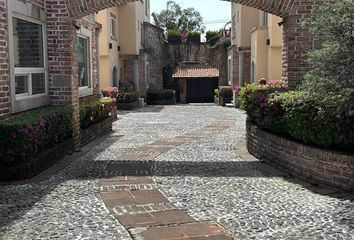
155, 218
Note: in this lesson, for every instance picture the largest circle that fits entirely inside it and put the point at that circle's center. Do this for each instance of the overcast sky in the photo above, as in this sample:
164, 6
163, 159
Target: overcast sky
210, 10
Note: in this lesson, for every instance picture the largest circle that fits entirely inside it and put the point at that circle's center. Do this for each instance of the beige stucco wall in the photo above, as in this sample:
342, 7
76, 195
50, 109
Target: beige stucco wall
109, 57
274, 63
259, 52
246, 19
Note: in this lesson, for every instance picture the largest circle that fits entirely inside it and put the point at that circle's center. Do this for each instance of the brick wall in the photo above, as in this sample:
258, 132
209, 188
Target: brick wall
4, 65
155, 48
312, 164
202, 53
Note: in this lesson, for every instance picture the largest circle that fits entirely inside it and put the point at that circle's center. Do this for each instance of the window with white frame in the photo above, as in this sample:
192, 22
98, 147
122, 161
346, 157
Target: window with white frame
113, 26
83, 59
29, 58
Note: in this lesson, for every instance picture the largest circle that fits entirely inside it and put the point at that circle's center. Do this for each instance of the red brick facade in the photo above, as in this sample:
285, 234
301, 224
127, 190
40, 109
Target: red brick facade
4, 64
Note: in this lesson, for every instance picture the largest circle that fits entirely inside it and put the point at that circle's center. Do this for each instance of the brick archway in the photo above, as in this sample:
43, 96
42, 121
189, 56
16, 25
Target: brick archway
297, 41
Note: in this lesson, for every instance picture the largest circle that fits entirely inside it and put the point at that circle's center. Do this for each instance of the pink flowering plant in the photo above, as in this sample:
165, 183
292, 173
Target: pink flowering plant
112, 93
24, 136
95, 111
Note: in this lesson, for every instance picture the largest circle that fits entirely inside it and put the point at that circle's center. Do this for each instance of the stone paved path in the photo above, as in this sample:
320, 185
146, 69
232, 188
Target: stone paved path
203, 183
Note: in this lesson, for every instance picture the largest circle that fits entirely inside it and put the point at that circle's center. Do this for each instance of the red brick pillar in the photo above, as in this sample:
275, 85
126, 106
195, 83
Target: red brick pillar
62, 62
4, 63
297, 41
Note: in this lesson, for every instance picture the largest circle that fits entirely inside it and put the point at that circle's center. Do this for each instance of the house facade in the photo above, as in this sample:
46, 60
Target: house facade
122, 57
256, 46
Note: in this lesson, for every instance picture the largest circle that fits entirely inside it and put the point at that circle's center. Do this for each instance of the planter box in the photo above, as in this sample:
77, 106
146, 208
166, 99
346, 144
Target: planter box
174, 39
98, 129
312, 164
30, 168
193, 39
171, 101
127, 106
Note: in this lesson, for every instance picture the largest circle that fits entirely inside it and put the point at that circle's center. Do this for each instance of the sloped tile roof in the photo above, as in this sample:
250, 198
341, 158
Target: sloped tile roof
196, 72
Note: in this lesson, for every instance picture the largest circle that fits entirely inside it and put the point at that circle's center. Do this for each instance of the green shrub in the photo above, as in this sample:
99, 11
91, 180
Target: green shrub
225, 91
126, 86
216, 92
212, 37
194, 34
310, 120
254, 100
299, 115
27, 134
127, 97
95, 111
160, 94
174, 33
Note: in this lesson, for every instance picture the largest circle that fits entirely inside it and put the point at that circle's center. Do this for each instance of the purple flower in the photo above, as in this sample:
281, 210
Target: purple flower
42, 122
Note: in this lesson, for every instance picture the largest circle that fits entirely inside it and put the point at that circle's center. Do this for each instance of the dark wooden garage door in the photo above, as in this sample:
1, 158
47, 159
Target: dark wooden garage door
201, 90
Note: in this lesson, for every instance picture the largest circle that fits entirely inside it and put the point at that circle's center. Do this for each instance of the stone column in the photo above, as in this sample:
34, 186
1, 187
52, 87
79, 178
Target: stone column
136, 74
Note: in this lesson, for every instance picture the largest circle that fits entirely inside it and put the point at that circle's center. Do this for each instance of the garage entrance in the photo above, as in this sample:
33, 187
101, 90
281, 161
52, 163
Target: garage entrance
196, 84
201, 90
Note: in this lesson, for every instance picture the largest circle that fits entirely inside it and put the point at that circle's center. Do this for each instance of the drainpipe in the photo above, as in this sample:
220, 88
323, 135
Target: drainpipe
98, 31
241, 58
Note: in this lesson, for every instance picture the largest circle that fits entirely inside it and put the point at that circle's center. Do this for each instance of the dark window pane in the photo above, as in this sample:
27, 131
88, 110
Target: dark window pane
83, 61
28, 43
38, 83
21, 84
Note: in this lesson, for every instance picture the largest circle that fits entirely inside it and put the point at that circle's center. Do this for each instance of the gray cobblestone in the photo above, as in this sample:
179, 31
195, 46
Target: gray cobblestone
204, 176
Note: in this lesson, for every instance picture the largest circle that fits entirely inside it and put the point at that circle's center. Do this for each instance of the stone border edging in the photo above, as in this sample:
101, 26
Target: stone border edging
315, 165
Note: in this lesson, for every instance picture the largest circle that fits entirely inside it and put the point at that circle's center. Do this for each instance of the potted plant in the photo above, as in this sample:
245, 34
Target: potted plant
174, 37
212, 37
193, 37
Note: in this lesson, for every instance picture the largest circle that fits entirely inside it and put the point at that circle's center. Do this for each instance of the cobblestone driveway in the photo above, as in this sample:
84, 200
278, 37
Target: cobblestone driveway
205, 177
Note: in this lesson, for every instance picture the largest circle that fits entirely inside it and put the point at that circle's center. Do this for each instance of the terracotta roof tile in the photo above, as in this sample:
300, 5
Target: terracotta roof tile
196, 72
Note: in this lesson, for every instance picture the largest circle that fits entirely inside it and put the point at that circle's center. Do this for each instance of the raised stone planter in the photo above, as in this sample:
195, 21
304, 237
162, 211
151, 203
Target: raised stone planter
127, 106
171, 101
31, 167
98, 129
315, 165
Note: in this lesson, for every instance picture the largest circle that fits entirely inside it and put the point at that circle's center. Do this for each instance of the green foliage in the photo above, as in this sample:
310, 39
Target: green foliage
174, 33
212, 37
160, 94
332, 66
176, 18
299, 115
225, 91
95, 111
194, 34
126, 86
127, 97
254, 100
26, 135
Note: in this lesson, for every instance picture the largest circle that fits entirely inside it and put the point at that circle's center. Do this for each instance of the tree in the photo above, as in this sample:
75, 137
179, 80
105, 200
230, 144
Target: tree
331, 78
176, 18
332, 66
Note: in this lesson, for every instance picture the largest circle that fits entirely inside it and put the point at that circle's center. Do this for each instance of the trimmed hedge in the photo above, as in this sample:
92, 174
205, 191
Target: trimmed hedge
225, 91
127, 97
299, 115
26, 135
161, 94
94, 111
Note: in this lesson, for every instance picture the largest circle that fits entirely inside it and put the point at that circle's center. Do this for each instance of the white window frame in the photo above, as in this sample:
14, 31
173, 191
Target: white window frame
113, 29
87, 34
26, 101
